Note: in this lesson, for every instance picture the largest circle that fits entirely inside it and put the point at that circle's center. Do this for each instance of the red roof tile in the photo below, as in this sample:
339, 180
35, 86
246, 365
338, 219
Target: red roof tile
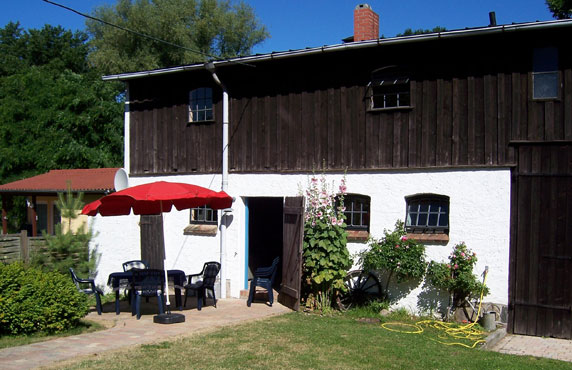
86, 180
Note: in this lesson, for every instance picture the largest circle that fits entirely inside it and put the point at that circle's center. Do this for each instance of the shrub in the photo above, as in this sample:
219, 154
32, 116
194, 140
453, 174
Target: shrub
32, 300
401, 257
457, 276
326, 257
70, 248
65, 250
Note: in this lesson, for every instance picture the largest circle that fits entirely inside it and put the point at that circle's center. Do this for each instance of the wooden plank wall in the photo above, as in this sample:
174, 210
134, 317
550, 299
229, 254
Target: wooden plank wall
540, 293
469, 100
454, 122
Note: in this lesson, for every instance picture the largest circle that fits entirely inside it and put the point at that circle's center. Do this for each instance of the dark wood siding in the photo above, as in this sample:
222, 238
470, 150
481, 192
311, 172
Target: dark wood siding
470, 98
540, 282
162, 141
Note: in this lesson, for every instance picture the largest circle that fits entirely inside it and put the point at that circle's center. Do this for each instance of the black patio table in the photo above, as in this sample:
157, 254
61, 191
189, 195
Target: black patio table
123, 278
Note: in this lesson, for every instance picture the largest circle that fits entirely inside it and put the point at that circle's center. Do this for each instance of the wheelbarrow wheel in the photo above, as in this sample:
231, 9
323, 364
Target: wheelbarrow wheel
361, 288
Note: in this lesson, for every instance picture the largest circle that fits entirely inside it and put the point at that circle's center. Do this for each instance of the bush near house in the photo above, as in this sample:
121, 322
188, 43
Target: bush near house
32, 300
456, 276
395, 254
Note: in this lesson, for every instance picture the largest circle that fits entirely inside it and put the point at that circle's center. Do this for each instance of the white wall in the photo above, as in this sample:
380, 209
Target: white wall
479, 216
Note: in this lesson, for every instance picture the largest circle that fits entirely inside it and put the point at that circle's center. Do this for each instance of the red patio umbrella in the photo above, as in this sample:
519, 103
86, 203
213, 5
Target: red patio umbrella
155, 198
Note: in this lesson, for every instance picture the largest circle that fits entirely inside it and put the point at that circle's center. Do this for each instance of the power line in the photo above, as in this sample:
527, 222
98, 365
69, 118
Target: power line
130, 30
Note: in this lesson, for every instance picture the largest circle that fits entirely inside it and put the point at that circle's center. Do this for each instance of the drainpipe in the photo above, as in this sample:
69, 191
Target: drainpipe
223, 222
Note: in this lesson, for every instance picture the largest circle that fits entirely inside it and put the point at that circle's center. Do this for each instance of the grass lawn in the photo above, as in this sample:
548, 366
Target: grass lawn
302, 341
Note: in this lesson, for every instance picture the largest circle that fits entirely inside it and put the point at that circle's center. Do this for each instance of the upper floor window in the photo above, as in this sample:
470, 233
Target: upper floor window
389, 89
545, 78
204, 215
427, 213
201, 104
357, 211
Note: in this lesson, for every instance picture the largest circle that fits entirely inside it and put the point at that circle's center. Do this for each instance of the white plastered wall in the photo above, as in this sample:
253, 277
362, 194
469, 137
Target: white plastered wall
479, 216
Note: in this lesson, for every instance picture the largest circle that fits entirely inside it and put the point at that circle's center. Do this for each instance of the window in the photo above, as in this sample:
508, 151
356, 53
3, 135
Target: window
357, 211
427, 213
389, 88
204, 215
545, 78
390, 92
201, 105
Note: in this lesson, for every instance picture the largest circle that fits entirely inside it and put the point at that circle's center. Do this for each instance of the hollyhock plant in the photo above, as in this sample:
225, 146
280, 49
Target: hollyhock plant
326, 257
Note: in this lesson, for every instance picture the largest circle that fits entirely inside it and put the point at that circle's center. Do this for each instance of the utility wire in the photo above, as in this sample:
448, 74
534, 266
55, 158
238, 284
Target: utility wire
130, 30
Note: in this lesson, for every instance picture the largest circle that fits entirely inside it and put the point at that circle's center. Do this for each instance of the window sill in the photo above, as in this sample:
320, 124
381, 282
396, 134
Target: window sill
358, 236
203, 230
434, 239
206, 122
374, 110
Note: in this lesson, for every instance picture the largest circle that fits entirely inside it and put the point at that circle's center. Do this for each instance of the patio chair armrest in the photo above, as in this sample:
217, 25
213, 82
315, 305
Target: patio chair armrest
263, 271
191, 276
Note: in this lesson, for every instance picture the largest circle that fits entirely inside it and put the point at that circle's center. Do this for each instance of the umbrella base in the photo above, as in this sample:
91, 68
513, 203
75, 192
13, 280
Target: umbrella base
168, 318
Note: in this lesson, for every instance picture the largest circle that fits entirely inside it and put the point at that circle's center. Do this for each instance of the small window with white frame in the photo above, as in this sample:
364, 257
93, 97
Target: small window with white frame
389, 89
204, 215
201, 105
357, 211
545, 76
427, 213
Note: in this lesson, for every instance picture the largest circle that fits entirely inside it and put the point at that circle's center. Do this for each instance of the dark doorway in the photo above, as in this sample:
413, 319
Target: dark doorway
265, 233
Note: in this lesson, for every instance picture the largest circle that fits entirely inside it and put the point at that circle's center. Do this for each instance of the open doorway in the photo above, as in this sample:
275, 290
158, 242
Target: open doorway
264, 235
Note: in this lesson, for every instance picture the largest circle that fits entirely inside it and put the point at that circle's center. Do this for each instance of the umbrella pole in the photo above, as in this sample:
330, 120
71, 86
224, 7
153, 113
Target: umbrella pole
167, 302
167, 318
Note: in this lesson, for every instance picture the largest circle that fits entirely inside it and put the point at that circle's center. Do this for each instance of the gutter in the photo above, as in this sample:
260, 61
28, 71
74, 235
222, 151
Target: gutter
491, 30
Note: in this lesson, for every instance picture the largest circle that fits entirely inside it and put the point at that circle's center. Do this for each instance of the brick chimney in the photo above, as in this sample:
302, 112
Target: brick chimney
366, 23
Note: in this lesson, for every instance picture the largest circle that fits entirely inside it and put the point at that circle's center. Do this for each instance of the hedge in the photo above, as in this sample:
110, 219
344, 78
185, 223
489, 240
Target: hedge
32, 300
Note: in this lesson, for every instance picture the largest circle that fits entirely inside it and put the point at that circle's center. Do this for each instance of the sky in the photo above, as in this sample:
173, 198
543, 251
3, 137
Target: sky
297, 24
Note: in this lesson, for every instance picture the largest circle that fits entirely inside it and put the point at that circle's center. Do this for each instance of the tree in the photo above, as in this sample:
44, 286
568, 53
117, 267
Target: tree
69, 248
420, 31
55, 112
561, 9
205, 28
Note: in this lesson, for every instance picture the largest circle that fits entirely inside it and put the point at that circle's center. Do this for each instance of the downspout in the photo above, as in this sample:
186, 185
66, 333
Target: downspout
223, 222
127, 132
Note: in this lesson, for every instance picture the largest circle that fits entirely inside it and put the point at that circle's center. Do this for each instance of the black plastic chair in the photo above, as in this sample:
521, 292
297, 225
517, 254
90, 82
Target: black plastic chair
130, 265
205, 280
135, 264
87, 286
264, 278
147, 283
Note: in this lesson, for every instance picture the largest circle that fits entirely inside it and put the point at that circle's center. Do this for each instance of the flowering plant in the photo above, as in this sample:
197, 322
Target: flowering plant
400, 256
456, 276
326, 257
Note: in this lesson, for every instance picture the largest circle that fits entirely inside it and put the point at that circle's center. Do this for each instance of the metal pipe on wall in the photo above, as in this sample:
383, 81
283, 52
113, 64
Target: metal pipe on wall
223, 221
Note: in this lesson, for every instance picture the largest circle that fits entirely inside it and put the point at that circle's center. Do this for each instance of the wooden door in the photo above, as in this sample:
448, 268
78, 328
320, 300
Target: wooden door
152, 240
293, 236
540, 281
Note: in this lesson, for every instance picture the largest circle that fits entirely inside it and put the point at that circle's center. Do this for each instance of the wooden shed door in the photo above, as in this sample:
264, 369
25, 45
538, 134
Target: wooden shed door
293, 236
152, 240
540, 287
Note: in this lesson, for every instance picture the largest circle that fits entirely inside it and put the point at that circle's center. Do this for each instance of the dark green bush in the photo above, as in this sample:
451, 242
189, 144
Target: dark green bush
32, 300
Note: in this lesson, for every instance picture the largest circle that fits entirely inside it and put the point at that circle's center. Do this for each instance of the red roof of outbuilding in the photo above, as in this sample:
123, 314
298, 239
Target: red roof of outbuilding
84, 180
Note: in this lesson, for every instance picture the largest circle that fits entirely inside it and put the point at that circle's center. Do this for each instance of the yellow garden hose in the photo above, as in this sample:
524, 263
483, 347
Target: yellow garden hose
450, 330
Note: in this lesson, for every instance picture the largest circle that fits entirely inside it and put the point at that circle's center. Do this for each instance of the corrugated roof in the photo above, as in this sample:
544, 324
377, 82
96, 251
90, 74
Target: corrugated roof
84, 180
